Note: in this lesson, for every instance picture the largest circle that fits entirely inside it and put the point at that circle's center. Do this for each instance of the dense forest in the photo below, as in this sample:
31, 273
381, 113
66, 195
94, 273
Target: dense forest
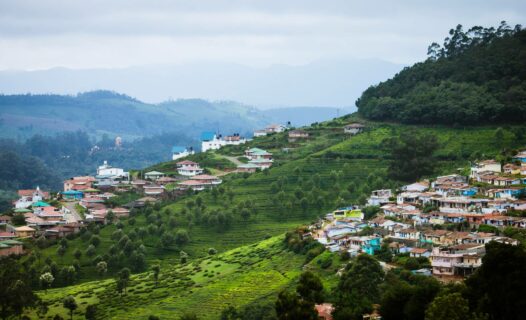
476, 77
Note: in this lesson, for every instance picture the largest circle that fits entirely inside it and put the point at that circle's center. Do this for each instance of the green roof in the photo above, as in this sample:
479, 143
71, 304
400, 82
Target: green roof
22, 210
41, 204
10, 242
248, 165
153, 173
91, 190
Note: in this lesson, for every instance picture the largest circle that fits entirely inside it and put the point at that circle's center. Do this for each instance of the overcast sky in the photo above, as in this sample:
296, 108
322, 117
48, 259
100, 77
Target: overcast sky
41, 34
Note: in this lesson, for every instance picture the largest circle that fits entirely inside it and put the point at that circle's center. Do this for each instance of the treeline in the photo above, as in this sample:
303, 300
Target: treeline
476, 77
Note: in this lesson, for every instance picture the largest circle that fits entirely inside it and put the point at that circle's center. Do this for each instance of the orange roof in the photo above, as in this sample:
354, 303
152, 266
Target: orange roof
204, 177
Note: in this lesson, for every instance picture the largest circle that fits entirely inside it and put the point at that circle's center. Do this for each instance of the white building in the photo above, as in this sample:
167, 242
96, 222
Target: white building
487, 165
110, 176
212, 141
379, 197
181, 152
353, 128
188, 168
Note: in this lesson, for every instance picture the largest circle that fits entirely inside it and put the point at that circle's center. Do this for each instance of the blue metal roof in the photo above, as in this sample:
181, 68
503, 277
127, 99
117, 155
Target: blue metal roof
207, 136
178, 149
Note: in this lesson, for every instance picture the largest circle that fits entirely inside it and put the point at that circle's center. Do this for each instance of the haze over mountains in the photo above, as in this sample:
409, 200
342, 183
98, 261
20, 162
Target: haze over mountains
337, 83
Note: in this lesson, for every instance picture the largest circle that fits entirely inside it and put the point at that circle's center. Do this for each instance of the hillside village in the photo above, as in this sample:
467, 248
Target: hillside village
437, 221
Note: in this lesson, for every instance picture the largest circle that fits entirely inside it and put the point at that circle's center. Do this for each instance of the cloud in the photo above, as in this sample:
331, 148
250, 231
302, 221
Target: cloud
86, 34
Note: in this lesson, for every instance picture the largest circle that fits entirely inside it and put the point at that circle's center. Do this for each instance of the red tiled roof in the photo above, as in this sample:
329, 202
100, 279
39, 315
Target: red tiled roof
187, 162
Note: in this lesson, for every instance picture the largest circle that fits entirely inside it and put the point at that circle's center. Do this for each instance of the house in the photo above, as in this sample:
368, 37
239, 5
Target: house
193, 185
409, 234
248, 167
138, 183
460, 260
367, 244
506, 181
486, 165
4, 235
72, 195
188, 168
419, 252
24, 232
166, 180
459, 204
181, 152
213, 141
511, 168
28, 197
417, 186
275, 128
523, 169
297, 134
153, 175
5, 219
256, 153
353, 128
261, 163
349, 213
121, 212
79, 183
521, 156
153, 190
207, 179
11, 247
260, 133
436, 237
379, 197
106, 170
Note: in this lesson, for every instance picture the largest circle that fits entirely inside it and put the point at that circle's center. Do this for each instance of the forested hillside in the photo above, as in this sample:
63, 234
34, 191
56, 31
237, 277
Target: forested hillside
476, 77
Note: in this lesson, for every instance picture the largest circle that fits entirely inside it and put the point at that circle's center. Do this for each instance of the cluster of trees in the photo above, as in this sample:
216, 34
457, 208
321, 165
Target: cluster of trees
494, 291
411, 154
474, 78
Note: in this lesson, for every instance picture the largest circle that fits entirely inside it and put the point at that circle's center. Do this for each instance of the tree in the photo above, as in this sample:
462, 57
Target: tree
102, 268
91, 312
245, 214
184, 257
289, 306
95, 240
358, 287
70, 304
167, 239
46, 279
497, 287
16, 294
77, 253
188, 316
310, 287
156, 270
181, 237
61, 251
448, 307
18, 220
411, 154
90, 251
124, 278
42, 309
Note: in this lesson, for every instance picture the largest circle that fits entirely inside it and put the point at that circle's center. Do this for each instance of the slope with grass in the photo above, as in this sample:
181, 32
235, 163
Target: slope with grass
205, 286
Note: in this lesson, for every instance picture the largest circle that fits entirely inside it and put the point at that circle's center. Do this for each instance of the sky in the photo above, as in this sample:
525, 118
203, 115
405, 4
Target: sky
41, 34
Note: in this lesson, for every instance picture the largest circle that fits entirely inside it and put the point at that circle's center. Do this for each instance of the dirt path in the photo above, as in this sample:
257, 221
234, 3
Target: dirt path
234, 160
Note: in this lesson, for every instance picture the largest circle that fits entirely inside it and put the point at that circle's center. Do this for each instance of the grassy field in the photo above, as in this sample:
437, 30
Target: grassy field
203, 286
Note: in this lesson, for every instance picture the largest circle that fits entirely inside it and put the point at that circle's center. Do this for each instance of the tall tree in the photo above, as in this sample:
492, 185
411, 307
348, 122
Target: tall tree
497, 287
71, 304
358, 288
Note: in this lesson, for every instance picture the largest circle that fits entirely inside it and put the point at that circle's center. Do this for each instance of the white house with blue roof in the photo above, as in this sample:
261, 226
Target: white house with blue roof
179, 152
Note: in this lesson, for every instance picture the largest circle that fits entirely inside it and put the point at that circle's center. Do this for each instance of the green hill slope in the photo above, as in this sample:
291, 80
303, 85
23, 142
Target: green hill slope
477, 77
308, 179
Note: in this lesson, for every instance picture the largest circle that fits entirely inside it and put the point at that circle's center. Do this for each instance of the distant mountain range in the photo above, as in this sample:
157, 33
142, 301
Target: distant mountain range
335, 83
113, 114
